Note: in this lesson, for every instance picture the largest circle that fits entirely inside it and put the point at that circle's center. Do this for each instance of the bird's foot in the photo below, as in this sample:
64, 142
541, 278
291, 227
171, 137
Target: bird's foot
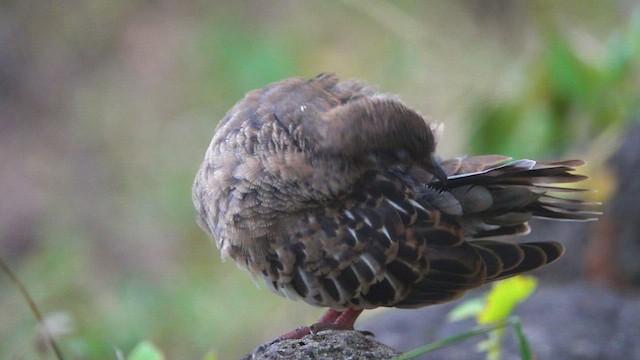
316, 328
331, 320
298, 333
336, 321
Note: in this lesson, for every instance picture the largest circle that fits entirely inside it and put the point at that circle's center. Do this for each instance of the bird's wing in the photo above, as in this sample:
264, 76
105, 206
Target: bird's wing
373, 248
394, 244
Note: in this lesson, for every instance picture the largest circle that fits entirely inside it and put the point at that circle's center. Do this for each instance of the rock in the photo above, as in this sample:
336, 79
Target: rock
328, 344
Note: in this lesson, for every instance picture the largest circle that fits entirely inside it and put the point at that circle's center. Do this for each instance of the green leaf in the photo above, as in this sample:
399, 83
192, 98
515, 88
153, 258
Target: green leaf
211, 355
145, 351
570, 76
504, 296
501, 300
467, 309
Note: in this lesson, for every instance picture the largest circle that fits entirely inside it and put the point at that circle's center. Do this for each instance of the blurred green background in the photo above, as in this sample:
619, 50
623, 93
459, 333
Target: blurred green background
107, 107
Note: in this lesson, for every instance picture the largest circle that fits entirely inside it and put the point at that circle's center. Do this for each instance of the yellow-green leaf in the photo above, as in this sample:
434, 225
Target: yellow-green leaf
467, 309
504, 296
145, 351
211, 355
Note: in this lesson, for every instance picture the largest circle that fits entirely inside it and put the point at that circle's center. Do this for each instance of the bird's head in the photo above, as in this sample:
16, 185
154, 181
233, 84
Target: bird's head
378, 132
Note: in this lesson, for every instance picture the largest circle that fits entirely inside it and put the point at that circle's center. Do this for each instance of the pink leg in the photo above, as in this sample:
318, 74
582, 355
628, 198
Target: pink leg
348, 318
327, 319
330, 316
344, 321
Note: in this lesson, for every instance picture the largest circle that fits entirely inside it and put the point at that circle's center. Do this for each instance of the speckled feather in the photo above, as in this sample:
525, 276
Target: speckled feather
329, 192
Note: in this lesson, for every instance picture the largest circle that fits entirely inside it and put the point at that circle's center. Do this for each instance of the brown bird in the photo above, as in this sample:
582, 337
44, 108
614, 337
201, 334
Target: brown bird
331, 193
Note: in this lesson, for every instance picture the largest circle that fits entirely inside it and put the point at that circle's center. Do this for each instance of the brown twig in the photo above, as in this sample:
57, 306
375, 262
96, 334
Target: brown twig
34, 308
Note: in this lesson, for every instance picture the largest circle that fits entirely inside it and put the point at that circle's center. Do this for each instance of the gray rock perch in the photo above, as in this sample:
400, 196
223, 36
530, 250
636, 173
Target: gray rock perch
328, 345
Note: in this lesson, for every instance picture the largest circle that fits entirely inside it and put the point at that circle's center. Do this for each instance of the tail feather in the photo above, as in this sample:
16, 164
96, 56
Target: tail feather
500, 260
498, 231
505, 259
499, 196
508, 254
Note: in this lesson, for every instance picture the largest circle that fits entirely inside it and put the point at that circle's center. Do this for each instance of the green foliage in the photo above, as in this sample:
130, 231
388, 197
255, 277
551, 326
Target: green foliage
513, 322
497, 308
145, 351
211, 355
467, 309
493, 314
504, 296
565, 100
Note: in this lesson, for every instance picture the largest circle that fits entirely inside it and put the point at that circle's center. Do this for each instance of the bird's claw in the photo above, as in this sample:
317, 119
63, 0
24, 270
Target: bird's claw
316, 328
295, 334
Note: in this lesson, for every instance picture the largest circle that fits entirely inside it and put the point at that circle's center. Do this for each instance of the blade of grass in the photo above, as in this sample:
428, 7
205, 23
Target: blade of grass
34, 308
523, 344
436, 345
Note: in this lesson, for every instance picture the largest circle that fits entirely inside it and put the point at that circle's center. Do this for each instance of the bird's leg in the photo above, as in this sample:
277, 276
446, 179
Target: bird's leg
347, 319
330, 316
327, 319
332, 319
344, 321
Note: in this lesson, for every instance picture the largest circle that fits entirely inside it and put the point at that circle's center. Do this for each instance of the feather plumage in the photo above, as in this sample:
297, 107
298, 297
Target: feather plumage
332, 194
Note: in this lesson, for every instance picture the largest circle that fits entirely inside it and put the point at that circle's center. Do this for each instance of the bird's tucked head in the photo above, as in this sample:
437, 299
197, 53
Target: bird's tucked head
378, 132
